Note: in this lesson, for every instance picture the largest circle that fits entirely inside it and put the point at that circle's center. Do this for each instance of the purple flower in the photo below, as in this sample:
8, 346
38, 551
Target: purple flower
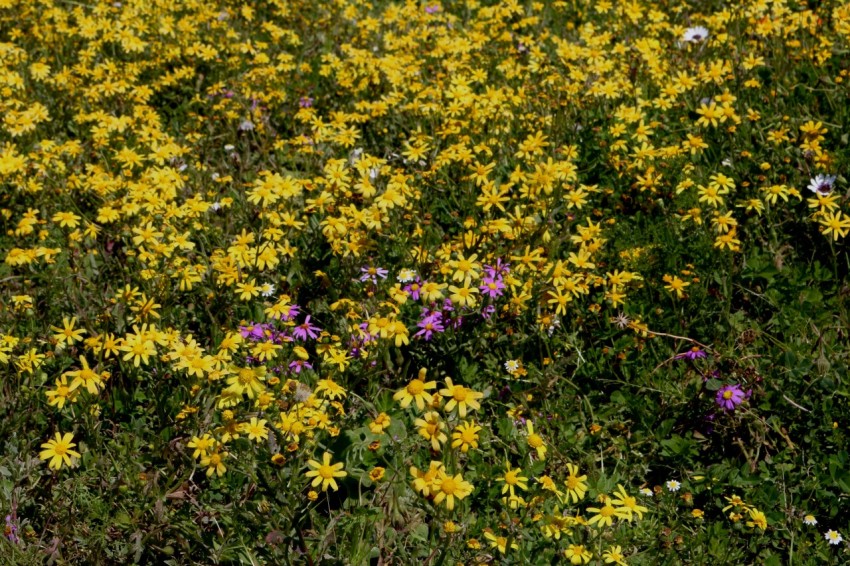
432, 9
366, 336
431, 322
372, 273
498, 270
294, 310
11, 529
305, 102
413, 288
298, 365
306, 330
730, 396
492, 287
256, 331
691, 354
488, 311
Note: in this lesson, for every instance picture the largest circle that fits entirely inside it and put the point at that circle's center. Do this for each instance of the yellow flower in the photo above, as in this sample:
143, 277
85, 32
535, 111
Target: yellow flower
576, 484
461, 397
57, 397
835, 223
466, 269
512, 480
423, 480
377, 473
85, 377
627, 504
757, 519
66, 219
214, 463
416, 390
59, 452
463, 296
578, 554
256, 429
325, 473
675, 285
465, 436
202, 445
500, 543
380, 423
448, 488
67, 334
614, 555
535, 441
431, 428
330, 389
606, 514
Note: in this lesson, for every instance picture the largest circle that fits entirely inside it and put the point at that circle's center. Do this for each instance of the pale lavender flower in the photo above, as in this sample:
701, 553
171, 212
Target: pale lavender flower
372, 273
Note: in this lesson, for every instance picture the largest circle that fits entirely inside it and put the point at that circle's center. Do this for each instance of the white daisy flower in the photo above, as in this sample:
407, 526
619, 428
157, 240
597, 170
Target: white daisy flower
695, 34
246, 126
267, 290
646, 491
406, 275
810, 520
833, 537
673, 485
511, 365
822, 184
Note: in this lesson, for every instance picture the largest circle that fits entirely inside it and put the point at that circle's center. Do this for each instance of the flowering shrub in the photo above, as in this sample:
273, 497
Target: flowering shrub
442, 282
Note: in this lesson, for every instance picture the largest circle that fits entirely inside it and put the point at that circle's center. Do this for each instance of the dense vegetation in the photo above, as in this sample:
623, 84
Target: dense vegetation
357, 282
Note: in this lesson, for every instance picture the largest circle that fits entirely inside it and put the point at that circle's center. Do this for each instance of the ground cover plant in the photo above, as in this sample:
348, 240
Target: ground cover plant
461, 282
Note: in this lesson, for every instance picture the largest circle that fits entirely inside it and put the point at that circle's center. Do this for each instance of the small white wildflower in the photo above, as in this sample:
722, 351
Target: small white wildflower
229, 147
822, 184
216, 206
646, 491
267, 290
833, 537
406, 275
512, 365
726, 162
373, 173
246, 126
810, 520
695, 34
673, 485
